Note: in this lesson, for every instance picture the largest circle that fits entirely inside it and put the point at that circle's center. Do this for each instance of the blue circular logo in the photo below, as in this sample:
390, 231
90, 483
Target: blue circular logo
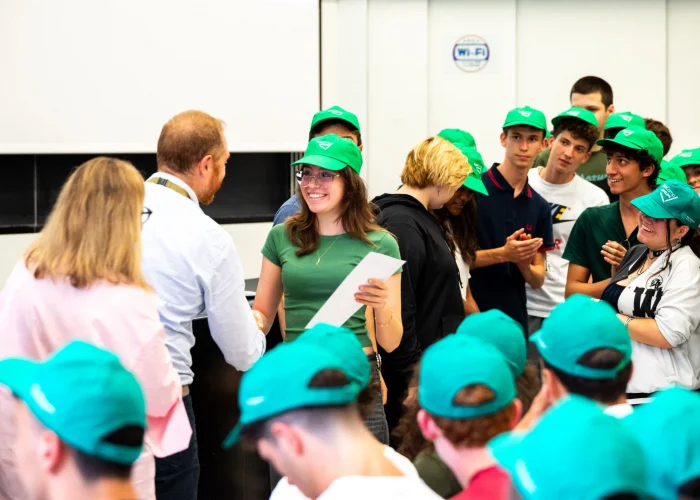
470, 53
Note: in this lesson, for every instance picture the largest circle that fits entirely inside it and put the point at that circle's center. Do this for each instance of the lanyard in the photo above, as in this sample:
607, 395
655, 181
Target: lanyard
170, 185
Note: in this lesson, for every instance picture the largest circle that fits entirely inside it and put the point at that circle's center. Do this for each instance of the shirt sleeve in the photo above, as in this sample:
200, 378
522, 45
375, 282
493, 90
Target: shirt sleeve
678, 312
288, 208
231, 321
575, 251
545, 231
270, 248
388, 245
168, 430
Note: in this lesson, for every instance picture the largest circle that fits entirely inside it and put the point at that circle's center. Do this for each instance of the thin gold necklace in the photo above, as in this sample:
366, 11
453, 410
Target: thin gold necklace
324, 253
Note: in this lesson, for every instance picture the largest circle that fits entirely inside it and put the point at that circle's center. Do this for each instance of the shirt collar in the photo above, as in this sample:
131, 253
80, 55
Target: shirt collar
501, 183
178, 181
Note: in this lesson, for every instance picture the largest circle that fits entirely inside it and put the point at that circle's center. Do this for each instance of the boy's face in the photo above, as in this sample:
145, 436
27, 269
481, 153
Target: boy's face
624, 174
522, 145
692, 172
568, 153
593, 103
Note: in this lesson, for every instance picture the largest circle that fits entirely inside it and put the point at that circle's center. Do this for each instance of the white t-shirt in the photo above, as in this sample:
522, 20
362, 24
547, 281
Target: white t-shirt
672, 298
621, 410
567, 202
464, 273
286, 491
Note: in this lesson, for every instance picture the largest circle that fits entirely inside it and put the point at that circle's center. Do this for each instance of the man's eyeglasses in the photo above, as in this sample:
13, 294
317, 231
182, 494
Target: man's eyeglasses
324, 179
145, 215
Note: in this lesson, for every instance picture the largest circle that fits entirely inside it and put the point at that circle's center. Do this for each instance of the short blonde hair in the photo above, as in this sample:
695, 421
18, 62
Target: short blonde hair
94, 230
435, 162
187, 138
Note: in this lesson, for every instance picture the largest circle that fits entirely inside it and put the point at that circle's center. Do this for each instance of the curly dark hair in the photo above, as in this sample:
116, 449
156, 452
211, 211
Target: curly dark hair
578, 129
460, 230
641, 156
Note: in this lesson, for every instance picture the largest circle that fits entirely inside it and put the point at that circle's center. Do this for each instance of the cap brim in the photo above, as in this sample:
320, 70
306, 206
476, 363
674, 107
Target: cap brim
518, 123
321, 161
18, 375
652, 209
603, 143
475, 184
233, 436
506, 449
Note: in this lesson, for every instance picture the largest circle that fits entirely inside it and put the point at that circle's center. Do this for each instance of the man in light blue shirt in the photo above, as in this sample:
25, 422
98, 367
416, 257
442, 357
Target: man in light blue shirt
334, 120
192, 264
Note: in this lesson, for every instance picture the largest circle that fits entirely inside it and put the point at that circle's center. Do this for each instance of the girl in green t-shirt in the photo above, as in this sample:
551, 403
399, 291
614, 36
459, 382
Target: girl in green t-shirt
309, 256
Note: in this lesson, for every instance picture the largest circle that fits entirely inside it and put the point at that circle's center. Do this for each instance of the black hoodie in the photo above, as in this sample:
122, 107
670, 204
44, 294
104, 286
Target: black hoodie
431, 299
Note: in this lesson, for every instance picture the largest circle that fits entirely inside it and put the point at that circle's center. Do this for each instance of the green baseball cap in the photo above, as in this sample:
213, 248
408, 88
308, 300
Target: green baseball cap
279, 382
83, 394
671, 200
455, 362
636, 138
343, 343
455, 135
575, 451
335, 113
669, 172
473, 180
624, 119
332, 153
526, 116
578, 113
667, 430
687, 157
576, 326
503, 332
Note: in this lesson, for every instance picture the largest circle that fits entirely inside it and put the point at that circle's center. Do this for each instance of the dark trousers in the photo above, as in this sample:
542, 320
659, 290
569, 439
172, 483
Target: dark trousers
177, 476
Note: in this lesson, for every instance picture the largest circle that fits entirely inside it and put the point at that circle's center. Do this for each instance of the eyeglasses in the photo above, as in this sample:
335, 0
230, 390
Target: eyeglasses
324, 179
145, 215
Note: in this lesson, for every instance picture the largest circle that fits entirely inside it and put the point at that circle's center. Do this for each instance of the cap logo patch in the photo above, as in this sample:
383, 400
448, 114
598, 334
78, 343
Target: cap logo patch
40, 399
627, 118
667, 194
255, 400
573, 113
686, 155
627, 133
688, 218
335, 112
324, 144
526, 114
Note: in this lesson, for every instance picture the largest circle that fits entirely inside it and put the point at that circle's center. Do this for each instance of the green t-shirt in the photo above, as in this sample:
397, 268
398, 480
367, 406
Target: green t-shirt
307, 285
594, 227
438, 476
593, 170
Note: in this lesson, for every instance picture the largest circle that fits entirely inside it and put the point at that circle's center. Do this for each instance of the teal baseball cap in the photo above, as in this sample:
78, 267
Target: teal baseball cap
526, 115
686, 158
343, 343
280, 381
503, 332
335, 113
669, 172
671, 200
636, 138
577, 113
332, 153
458, 361
575, 451
83, 394
455, 135
577, 326
667, 430
624, 119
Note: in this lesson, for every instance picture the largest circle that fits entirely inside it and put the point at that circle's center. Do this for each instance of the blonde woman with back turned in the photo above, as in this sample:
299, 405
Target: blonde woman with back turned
81, 279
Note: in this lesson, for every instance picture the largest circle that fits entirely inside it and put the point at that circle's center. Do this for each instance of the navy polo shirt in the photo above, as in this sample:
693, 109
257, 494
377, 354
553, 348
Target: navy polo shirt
502, 286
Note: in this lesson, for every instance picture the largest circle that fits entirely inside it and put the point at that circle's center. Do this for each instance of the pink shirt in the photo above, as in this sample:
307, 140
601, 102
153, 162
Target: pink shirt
38, 317
492, 483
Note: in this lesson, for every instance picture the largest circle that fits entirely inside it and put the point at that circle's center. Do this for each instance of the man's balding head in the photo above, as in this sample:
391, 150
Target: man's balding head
187, 138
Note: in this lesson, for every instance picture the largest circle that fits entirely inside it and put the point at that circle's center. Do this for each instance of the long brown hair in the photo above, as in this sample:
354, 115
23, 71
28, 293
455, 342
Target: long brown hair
357, 216
460, 230
94, 230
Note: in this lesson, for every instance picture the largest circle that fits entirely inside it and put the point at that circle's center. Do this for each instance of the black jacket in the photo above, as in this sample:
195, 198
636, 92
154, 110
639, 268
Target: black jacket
431, 300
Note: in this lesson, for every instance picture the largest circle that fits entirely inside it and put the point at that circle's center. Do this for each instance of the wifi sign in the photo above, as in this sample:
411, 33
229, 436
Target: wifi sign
470, 53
